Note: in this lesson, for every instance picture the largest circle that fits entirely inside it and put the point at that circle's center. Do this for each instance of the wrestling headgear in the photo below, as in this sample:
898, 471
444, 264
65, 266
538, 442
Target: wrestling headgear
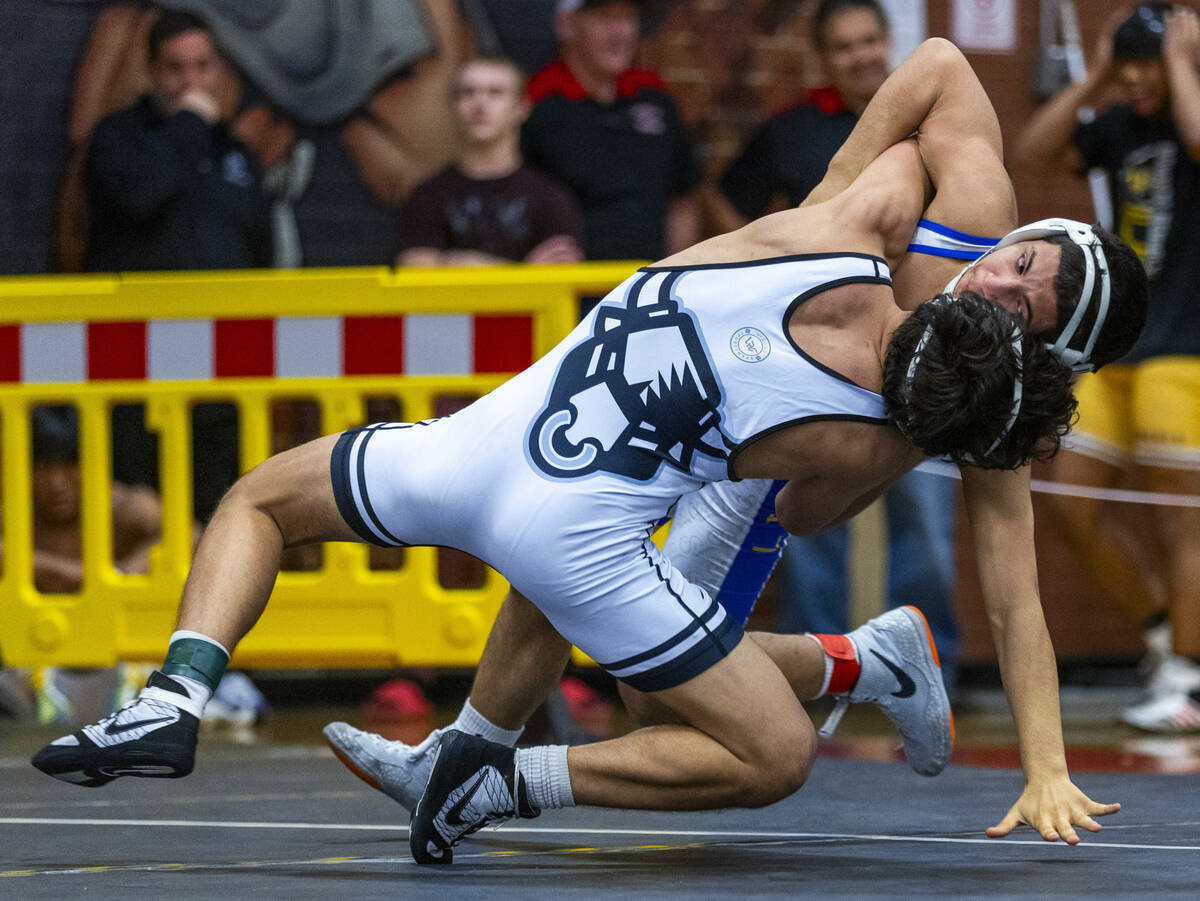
1095, 270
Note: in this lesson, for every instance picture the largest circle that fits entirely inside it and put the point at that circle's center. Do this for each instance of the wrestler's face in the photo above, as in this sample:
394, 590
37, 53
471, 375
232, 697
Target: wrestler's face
56, 492
185, 63
1143, 85
856, 54
603, 39
1019, 278
489, 103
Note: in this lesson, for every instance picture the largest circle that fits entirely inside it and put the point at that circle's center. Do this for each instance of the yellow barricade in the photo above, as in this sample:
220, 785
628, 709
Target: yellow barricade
341, 615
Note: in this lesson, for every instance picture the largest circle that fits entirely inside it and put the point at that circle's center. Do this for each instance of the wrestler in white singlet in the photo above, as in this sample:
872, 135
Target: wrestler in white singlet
558, 477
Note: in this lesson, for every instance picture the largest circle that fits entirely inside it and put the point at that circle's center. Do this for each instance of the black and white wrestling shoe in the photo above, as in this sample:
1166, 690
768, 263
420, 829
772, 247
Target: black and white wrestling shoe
154, 735
474, 783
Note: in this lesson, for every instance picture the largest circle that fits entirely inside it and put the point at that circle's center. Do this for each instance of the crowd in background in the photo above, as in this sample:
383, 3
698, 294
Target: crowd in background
563, 149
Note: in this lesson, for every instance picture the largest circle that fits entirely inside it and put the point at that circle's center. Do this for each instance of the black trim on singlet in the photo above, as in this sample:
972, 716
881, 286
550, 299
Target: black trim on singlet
779, 427
664, 289
692, 662
340, 466
704, 653
813, 292
766, 261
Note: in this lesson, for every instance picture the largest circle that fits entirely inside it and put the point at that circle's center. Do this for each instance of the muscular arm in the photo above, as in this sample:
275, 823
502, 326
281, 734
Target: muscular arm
1001, 519
933, 94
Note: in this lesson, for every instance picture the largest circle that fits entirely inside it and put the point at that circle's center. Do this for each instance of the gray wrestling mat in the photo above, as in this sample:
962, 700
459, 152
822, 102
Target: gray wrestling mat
290, 822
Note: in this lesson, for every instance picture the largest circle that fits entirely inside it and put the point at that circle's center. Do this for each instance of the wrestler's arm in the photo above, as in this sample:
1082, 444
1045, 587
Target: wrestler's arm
1001, 519
934, 94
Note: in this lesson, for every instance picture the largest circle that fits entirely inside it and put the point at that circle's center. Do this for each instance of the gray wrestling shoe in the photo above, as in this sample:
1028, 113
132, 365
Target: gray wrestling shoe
474, 783
398, 770
901, 675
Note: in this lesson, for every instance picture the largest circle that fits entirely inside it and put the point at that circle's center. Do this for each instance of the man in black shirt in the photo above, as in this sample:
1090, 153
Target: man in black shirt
612, 134
787, 156
488, 206
168, 185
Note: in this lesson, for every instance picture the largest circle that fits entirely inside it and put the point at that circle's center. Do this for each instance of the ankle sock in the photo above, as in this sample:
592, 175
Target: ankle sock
178, 691
841, 664
472, 722
196, 656
547, 778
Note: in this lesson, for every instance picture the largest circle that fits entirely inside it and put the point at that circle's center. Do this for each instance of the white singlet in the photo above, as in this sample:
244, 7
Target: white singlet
725, 537
558, 477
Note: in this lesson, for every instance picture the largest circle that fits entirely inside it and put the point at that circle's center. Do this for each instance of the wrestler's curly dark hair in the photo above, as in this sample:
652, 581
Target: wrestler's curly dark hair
960, 396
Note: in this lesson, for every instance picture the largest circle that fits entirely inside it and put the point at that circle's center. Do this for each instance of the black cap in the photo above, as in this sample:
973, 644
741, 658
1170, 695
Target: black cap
55, 434
1141, 35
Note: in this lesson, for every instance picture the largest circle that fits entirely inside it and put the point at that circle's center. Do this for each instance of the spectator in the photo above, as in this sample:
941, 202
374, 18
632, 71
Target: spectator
612, 134
788, 155
1142, 416
782, 162
168, 185
488, 206
57, 526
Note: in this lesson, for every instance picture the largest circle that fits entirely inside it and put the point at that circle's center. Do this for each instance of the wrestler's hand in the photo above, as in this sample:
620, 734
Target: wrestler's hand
1054, 807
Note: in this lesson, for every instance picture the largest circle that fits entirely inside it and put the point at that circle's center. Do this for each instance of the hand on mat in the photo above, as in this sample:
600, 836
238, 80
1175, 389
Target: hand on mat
1053, 807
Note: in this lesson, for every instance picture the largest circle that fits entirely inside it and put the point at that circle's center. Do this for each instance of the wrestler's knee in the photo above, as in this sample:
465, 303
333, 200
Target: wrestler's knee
782, 760
294, 490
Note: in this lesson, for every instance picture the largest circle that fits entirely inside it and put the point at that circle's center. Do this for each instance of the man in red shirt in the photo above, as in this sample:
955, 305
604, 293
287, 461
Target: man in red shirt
612, 134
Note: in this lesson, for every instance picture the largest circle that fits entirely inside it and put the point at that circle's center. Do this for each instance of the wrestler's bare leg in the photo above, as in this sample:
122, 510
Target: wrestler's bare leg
747, 743
284, 502
798, 657
523, 660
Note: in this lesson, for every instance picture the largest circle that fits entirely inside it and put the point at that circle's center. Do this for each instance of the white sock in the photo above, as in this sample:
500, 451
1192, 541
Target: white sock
472, 722
546, 776
198, 695
828, 669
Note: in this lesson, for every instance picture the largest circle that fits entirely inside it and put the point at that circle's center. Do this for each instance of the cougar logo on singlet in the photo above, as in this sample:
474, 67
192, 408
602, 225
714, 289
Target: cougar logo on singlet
639, 392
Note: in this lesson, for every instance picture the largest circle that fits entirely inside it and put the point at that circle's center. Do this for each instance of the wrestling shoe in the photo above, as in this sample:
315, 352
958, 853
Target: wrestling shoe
398, 770
150, 736
901, 676
474, 783
1172, 713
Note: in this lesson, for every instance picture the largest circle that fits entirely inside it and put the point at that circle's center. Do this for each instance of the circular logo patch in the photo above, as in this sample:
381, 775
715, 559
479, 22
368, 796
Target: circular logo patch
750, 345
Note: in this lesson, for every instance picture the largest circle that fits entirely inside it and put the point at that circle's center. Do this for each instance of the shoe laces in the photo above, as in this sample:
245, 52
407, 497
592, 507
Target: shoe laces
840, 706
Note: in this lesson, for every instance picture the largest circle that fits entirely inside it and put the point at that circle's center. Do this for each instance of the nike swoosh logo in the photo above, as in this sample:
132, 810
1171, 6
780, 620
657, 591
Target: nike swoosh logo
114, 729
907, 686
453, 815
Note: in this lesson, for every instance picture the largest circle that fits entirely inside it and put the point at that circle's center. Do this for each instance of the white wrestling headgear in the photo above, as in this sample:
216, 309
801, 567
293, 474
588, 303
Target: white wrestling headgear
1096, 269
